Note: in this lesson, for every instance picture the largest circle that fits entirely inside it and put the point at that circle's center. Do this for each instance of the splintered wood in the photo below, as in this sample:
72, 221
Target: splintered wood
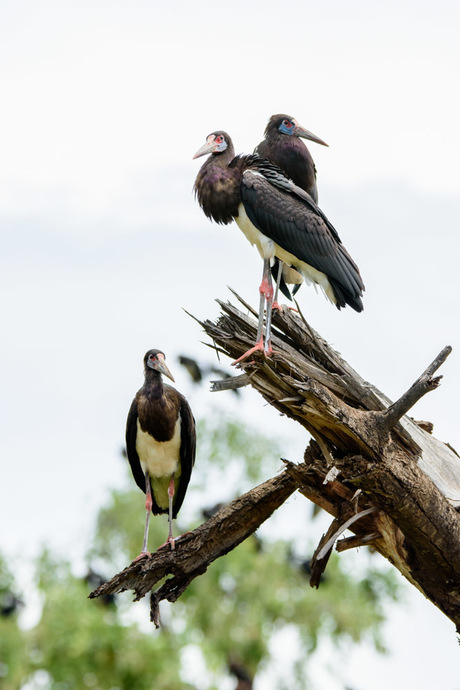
369, 465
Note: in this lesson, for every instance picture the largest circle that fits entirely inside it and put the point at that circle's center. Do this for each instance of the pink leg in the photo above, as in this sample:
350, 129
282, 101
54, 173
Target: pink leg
266, 294
148, 509
171, 496
170, 540
269, 298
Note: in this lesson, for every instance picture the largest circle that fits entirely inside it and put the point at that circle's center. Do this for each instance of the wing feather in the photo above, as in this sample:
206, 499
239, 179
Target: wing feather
133, 457
289, 216
187, 452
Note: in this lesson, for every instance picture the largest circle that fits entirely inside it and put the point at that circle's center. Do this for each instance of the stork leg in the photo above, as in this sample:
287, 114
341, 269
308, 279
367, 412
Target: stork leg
275, 304
260, 325
171, 488
269, 298
148, 510
170, 540
266, 295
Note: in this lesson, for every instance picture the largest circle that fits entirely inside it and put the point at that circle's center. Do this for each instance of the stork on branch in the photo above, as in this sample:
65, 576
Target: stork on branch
379, 474
281, 220
283, 146
160, 444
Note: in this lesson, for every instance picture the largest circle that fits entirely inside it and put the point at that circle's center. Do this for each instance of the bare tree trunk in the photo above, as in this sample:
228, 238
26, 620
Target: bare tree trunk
375, 470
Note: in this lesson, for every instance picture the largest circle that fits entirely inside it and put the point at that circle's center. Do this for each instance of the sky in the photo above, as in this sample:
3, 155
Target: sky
104, 246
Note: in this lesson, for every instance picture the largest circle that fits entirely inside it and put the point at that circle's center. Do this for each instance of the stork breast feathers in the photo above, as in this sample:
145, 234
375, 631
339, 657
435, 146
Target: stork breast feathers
160, 458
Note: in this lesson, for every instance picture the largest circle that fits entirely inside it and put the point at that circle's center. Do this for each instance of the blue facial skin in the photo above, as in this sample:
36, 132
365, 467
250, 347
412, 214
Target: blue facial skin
287, 127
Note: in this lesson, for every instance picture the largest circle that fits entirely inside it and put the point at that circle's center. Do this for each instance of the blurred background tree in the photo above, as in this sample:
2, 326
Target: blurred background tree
224, 630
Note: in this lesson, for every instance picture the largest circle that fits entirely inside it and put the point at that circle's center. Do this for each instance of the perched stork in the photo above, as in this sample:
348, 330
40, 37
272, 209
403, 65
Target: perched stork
281, 219
160, 443
284, 147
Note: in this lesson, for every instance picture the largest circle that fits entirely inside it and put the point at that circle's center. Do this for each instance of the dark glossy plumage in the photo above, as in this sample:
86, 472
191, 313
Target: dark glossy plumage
298, 226
284, 147
160, 438
289, 152
230, 187
217, 185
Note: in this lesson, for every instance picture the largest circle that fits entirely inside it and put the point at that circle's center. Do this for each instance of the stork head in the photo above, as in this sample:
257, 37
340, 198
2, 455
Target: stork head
155, 359
289, 125
216, 142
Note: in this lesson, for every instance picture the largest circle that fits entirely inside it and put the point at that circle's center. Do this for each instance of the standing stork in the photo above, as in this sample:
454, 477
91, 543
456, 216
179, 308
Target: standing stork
284, 147
160, 442
281, 219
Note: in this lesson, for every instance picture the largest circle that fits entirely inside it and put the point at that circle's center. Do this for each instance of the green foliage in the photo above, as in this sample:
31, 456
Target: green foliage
83, 643
228, 447
232, 612
13, 646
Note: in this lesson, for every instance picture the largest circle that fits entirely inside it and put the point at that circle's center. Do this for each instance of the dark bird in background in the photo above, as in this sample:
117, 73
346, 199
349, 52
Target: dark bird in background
194, 369
208, 511
244, 680
9, 604
284, 147
95, 579
198, 370
160, 442
281, 219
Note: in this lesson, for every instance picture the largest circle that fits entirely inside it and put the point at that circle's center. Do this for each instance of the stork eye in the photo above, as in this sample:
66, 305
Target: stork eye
219, 139
288, 123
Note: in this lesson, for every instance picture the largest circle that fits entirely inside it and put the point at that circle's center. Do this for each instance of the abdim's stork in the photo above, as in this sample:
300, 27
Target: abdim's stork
160, 442
284, 147
281, 219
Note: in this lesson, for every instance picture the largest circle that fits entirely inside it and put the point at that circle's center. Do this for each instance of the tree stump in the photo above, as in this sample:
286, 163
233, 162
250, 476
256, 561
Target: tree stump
379, 473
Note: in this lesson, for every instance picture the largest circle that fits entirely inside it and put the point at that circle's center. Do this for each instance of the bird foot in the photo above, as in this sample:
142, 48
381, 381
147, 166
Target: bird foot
171, 541
281, 307
143, 554
181, 536
258, 347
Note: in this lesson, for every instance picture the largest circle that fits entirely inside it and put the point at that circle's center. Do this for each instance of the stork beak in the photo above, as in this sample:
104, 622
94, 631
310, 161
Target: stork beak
161, 367
305, 134
208, 147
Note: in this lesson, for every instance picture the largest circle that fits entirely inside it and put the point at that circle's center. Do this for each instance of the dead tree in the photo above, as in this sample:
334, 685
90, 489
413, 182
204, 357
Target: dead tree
379, 473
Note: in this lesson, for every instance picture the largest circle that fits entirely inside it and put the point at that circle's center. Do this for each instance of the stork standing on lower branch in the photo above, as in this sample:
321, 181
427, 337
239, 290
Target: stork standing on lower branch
281, 219
160, 442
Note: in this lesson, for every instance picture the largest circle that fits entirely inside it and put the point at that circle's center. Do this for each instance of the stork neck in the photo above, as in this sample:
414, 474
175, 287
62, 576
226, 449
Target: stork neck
153, 384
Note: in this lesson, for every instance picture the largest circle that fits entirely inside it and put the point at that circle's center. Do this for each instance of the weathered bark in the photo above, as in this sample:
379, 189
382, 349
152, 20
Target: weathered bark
196, 550
365, 454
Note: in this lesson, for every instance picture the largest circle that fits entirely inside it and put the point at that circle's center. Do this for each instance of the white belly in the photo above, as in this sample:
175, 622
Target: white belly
265, 245
159, 458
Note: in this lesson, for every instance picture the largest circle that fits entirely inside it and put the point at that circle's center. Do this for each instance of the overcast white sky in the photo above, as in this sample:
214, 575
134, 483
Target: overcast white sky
103, 106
